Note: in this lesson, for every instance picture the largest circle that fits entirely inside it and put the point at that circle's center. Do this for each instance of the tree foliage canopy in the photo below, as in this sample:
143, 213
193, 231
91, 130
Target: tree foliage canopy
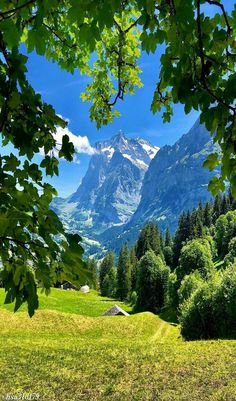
195, 255
152, 282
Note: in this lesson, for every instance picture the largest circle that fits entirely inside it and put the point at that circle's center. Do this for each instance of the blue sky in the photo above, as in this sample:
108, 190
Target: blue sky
62, 90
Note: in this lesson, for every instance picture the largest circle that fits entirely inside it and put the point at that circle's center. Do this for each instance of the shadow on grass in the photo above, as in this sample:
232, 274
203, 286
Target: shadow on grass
168, 314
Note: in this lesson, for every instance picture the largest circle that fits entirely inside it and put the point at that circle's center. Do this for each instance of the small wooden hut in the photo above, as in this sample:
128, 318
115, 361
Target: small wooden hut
115, 311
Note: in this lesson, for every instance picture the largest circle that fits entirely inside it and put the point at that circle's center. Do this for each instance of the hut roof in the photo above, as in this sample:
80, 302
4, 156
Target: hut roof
115, 311
84, 288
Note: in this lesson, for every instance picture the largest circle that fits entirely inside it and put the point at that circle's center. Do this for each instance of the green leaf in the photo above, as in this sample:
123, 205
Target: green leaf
211, 161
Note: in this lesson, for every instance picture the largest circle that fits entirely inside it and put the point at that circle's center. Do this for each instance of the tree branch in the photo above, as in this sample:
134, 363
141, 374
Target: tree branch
58, 36
4, 111
202, 58
216, 3
5, 14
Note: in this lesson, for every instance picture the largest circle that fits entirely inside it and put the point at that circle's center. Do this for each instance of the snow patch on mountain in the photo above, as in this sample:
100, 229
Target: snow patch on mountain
138, 151
109, 151
151, 150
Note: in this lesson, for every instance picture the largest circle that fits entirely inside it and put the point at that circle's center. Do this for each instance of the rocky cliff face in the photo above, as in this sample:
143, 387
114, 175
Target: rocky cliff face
130, 182
175, 181
110, 191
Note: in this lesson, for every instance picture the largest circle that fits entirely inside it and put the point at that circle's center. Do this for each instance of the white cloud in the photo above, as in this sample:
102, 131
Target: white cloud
81, 143
64, 118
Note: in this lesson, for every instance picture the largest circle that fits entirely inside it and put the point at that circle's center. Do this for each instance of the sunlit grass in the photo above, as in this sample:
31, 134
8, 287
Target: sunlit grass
90, 304
65, 356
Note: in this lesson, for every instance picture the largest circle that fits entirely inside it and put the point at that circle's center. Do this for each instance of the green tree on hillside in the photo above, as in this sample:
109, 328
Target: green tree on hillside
225, 230
230, 258
107, 264
149, 239
225, 205
181, 235
216, 208
152, 282
93, 268
109, 283
124, 274
168, 248
207, 215
168, 238
195, 255
134, 266
210, 310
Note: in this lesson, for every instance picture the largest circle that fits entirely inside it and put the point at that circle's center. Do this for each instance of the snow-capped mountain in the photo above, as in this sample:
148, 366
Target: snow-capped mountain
130, 182
111, 188
138, 151
175, 181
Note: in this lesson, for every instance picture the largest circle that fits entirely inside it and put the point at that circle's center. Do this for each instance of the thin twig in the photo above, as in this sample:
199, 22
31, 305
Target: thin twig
58, 36
202, 58
216, 3
16, 9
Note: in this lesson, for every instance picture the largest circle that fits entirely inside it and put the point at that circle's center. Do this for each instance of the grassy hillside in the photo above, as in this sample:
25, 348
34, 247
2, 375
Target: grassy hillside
66, 356
71, 302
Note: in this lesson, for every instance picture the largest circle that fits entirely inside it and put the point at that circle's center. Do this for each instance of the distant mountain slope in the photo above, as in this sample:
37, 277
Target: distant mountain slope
110, 190
175, 181
130, 182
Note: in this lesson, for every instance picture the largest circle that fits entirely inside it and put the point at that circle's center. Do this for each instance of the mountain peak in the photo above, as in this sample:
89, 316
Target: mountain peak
119, 140
139, 151
120, 135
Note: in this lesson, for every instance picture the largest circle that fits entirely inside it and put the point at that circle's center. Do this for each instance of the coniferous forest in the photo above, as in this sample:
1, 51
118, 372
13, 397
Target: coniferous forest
191, 274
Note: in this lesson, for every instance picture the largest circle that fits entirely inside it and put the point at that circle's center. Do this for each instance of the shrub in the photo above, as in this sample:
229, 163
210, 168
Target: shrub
197, 315
152, 282
231, 255
195, 255
133, 298
210, 311
225, 230
225, 303
168, 255
188, 286
172, 291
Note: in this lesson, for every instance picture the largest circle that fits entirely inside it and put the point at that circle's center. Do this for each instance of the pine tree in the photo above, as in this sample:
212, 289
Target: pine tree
198, 227
192, 223
216, 208
93, 268
142, 244
232, 201
200, 211
124, 274
134, 265
149, 239
225, 205
106, 265
181, 235
109, 283
207, 215
155, 239
168, 238
161, 241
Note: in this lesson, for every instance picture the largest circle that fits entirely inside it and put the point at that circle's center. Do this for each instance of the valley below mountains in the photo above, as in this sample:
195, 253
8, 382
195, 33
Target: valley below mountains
130, 182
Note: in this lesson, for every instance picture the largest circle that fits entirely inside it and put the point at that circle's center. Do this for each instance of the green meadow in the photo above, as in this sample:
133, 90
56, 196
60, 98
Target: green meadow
69, 352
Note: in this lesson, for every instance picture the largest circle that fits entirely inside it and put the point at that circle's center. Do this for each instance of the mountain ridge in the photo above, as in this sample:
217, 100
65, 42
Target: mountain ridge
110, 190
117, 195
